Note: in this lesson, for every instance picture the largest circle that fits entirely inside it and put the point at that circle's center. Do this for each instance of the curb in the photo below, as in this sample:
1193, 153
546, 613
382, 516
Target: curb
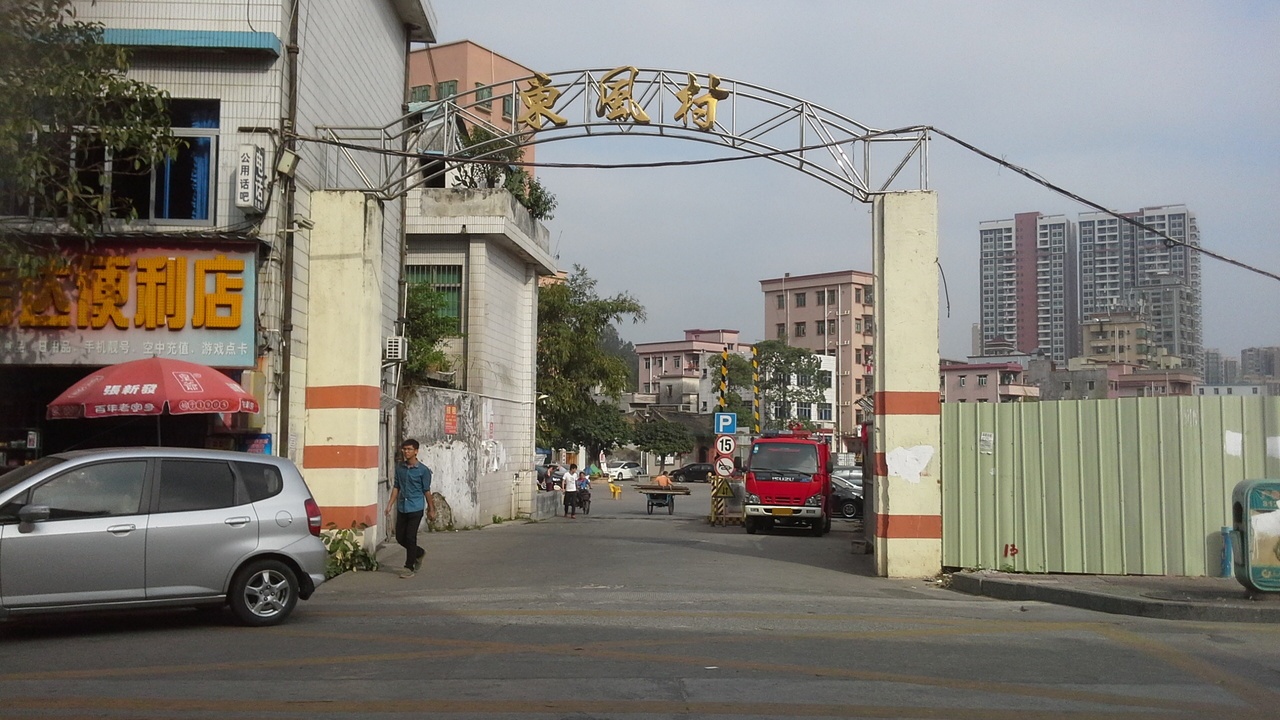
1002, 589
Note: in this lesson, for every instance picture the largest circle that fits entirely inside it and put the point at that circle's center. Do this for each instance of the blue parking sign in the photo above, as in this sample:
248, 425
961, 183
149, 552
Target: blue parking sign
726, 423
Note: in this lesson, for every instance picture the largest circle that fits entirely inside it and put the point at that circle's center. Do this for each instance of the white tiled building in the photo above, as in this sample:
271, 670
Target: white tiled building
316, 312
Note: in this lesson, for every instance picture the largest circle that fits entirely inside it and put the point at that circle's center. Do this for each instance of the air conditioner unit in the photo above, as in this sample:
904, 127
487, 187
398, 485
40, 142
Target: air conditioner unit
395, 349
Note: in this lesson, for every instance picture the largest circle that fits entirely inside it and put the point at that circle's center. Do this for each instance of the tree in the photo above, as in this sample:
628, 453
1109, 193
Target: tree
572, 366
497, 170
426, 328
788, 375
741, 387
613, 344
663, 437
602, 427
71, 118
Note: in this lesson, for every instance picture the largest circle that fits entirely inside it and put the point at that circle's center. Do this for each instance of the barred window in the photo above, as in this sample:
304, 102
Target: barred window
444, 279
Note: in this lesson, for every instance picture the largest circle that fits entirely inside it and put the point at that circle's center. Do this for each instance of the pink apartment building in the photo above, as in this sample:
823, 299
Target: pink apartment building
829, 314
676, 373
462, 66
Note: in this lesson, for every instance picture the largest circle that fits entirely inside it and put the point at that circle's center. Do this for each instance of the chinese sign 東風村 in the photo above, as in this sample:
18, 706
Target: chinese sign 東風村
112, 305
616, 100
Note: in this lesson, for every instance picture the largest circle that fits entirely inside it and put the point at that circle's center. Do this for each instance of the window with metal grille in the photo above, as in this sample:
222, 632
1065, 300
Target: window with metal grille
484, 96
444, 279
420, 93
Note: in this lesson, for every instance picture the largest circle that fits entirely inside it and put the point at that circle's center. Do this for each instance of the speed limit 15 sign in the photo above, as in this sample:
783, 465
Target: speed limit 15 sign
725, 444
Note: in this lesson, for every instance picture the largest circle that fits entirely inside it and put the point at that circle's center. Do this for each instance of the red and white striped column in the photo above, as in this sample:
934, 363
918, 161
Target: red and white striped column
907, 524
340, 455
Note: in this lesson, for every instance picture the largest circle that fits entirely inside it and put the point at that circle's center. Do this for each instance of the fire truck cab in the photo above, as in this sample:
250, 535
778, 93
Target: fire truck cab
788, 482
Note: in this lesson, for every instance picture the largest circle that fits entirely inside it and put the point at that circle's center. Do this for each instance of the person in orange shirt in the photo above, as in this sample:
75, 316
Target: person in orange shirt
661, 480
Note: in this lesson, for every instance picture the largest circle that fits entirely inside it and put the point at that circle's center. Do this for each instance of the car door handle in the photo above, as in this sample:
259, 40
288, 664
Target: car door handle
121, 529
237, 521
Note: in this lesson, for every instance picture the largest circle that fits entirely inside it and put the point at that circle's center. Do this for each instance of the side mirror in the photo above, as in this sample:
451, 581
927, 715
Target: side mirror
29, 515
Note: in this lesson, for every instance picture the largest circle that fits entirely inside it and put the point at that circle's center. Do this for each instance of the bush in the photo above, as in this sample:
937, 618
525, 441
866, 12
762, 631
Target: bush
346, 550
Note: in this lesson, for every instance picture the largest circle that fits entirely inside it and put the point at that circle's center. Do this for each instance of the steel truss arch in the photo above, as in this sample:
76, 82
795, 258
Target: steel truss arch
749, 119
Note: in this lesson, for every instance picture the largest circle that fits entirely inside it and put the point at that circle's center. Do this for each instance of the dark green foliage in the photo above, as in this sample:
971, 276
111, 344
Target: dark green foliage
426, 329
497, 171
62, 88
787, 375
572, 363
662, 437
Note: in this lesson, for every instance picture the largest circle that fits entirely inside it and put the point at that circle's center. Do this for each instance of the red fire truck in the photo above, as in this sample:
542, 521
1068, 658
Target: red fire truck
788, 482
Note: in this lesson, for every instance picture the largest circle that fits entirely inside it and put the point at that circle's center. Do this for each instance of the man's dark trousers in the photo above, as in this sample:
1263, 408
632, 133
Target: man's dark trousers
407, 525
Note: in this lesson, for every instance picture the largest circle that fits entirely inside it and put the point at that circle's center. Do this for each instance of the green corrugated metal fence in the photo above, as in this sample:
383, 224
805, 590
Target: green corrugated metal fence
1136, 486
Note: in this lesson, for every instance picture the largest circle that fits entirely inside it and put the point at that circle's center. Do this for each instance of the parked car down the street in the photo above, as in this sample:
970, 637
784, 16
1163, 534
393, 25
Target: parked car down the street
847, 496
624, 470
693, 472
130, 528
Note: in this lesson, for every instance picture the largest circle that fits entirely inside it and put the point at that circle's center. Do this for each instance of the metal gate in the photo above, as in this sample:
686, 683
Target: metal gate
1134, 486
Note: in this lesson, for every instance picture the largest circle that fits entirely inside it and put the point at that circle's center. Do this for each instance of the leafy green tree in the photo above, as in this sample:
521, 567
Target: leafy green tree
572, 320
740, 385
426, 328
601, 428
613, 344
788, 375
663, 437
497, 170
67, 109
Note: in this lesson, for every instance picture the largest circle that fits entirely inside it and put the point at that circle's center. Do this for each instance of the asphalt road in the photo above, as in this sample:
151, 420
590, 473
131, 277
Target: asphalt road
621, 614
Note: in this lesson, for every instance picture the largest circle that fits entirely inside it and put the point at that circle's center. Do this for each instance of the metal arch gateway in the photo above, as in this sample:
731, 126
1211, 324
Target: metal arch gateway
905, 522
627, 101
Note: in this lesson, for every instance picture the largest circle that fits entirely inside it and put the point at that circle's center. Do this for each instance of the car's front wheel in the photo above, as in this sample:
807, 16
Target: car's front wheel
849, 509
263, 593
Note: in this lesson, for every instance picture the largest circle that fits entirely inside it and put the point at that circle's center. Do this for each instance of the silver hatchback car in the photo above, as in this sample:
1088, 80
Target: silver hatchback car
129, 528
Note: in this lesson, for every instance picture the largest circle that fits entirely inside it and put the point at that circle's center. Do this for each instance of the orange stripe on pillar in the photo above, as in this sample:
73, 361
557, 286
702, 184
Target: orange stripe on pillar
343, 518
366, 397
901, 402
909, 526
881, 465
340, 456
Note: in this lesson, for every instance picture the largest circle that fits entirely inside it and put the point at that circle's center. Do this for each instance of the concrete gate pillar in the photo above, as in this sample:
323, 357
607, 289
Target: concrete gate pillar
340, 456
907, 522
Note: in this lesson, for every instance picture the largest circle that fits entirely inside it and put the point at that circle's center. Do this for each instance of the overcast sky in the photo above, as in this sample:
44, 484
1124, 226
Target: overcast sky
1128, 104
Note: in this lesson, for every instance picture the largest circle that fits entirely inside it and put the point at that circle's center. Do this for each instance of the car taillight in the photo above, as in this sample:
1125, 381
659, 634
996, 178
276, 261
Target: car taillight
313, 516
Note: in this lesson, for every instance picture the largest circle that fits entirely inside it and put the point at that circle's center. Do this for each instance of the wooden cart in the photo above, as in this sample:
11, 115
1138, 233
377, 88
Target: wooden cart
662, 496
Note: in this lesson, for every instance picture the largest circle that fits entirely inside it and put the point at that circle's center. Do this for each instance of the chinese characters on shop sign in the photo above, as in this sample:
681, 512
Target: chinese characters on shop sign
109, 308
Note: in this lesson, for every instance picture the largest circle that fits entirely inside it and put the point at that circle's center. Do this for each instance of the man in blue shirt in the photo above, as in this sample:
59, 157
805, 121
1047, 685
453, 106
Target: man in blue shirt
410, 495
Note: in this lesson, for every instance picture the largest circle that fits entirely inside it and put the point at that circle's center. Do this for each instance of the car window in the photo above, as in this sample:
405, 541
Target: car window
98, 490
261, 481
187, 485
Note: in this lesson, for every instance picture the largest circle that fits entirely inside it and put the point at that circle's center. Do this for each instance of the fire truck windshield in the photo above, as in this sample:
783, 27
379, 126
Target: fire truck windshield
784, 459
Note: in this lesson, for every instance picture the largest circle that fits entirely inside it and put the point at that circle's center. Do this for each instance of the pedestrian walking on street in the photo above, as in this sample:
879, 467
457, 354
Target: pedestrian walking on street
570, 482
410, 495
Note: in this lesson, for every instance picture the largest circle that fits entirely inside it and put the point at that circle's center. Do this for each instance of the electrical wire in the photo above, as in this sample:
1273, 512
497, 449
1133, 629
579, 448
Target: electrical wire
1032, 176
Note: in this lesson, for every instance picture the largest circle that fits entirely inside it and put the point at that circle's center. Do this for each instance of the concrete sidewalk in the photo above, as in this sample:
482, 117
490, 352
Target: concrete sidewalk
1168, 598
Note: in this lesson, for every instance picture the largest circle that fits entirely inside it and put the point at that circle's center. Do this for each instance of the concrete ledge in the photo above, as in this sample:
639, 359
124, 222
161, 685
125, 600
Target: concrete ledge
1121, 602
545, 505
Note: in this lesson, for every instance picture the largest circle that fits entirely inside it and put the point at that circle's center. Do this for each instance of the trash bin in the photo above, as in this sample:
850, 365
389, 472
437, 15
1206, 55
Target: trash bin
1255, 523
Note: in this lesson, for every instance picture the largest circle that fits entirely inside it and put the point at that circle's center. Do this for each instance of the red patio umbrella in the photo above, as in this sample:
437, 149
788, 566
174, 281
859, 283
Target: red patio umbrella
150, 387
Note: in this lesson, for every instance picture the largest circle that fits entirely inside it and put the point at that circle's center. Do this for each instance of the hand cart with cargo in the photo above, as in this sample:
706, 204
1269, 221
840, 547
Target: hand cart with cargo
662, 496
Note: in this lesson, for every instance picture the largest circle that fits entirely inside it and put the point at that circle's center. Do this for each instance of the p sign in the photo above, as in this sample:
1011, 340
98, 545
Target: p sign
726, 423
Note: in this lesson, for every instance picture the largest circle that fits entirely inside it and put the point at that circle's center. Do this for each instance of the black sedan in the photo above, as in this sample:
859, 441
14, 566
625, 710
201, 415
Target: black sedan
847, 496
693, 472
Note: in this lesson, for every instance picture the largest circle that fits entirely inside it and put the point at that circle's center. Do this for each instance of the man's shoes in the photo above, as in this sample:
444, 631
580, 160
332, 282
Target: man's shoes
417, 564
406, 573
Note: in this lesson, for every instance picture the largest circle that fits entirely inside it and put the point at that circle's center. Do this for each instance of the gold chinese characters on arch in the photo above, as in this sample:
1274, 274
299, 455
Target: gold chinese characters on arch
616, 100
115, 305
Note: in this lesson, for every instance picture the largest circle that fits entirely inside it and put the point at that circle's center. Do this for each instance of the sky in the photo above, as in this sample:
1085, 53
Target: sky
1127, 104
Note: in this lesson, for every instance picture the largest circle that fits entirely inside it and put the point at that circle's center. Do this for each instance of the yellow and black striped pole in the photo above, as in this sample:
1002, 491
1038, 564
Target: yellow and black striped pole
755, 390
724, 379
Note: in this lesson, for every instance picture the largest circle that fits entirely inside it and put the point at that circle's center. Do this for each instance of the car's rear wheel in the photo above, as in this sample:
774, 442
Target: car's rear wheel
263, 593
